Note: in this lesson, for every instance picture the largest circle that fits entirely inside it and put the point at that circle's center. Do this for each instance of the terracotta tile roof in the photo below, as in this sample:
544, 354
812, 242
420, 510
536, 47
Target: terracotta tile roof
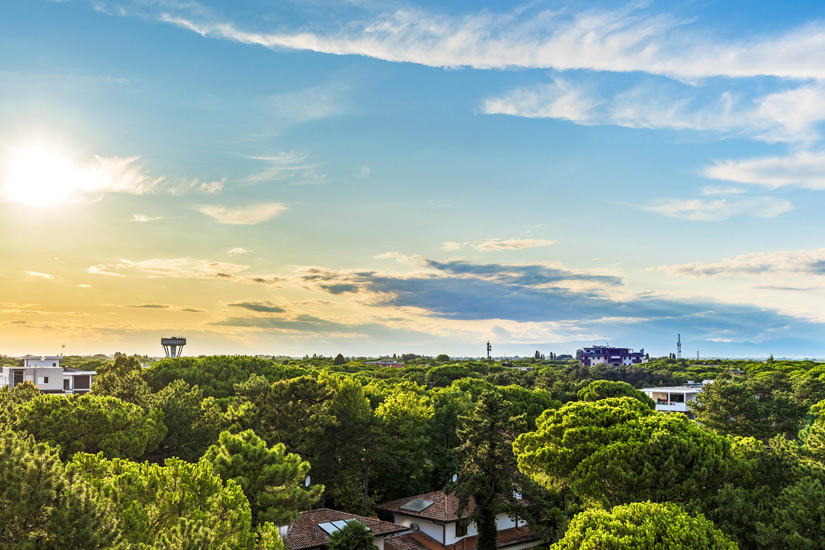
305, 533
443, 509
506, 537
420, 541
412, 541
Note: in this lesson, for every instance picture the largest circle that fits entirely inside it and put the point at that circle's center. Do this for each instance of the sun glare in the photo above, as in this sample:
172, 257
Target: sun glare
39, 176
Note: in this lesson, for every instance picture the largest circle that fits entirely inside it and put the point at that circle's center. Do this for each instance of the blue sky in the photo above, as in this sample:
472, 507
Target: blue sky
376, 177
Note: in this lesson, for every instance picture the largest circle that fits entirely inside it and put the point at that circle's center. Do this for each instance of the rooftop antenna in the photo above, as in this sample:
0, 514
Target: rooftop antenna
678, 346
173, 346
62, 349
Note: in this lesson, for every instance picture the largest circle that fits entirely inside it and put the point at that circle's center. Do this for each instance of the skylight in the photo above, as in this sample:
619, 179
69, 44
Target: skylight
417, 505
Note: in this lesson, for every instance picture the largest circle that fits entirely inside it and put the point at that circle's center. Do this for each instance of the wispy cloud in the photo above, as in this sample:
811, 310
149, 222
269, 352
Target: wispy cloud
782, 263
88, 181
630, 38
802, 169
142, 218
719, 209
239, 250
512, 244
289, 166
261, 307
243, 215
188, 268
39, 275
787, 115
313, 103
492, 245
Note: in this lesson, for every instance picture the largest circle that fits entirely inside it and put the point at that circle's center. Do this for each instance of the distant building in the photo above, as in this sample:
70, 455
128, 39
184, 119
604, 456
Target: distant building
611, 356
386, 363
46, 373
675, 398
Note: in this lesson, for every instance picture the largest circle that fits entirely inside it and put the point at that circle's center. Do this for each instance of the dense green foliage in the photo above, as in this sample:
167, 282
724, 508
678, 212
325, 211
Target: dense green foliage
91, 423
642, 526
354, 536
617, 450
270, 478
178, 505
238, 435
43, 507
602, 389
217, 375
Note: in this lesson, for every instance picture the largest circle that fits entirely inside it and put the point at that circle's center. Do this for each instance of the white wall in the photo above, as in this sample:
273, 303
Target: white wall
38, 375
426, 526
38, 362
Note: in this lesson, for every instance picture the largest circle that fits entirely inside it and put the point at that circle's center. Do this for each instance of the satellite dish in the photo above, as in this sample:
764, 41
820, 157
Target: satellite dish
455, 477
306, 482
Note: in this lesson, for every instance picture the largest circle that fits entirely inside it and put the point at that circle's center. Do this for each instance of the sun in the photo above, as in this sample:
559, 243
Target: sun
40, 176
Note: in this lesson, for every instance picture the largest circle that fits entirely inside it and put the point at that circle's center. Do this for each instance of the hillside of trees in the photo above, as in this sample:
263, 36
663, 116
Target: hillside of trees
213, 452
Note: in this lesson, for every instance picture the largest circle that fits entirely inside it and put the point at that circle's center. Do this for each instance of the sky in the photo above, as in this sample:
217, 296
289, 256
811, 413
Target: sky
371, 177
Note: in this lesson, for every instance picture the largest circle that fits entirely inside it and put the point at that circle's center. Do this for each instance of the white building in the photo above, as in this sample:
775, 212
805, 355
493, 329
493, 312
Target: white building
46, 373
675, 398
434, 524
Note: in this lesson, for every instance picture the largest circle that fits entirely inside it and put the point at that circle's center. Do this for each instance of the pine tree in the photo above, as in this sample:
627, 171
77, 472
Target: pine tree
271, 478
488, 475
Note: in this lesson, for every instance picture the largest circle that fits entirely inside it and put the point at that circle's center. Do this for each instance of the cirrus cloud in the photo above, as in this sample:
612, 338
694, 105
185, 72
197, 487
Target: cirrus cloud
243, 215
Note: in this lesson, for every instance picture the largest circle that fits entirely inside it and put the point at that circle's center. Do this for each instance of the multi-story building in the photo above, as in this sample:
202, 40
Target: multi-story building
675, 398
46, 373
603, 355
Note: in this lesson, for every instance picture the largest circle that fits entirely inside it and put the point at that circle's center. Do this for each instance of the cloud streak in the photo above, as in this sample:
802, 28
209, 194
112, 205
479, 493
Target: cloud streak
786, 115
494, 245
244, 215
622, 40
719, 209
260, 307
760, 264
803, 169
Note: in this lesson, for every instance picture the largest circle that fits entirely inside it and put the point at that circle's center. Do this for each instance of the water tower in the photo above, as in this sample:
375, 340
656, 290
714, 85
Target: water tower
173, 346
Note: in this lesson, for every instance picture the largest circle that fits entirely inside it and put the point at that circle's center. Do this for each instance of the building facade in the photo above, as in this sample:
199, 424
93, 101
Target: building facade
603, 355
675, 398
46, 373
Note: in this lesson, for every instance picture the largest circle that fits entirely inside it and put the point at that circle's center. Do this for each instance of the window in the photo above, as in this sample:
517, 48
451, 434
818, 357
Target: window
45, 379
461, 529
67, 385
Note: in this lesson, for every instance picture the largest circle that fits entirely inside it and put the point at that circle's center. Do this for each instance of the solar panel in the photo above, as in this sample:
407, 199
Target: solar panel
417, 505
331, 527
328, 527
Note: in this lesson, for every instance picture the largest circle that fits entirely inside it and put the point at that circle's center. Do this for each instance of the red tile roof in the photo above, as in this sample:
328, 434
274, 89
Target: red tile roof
444, 508
506, 537
305, 533
412, 541
420, 541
